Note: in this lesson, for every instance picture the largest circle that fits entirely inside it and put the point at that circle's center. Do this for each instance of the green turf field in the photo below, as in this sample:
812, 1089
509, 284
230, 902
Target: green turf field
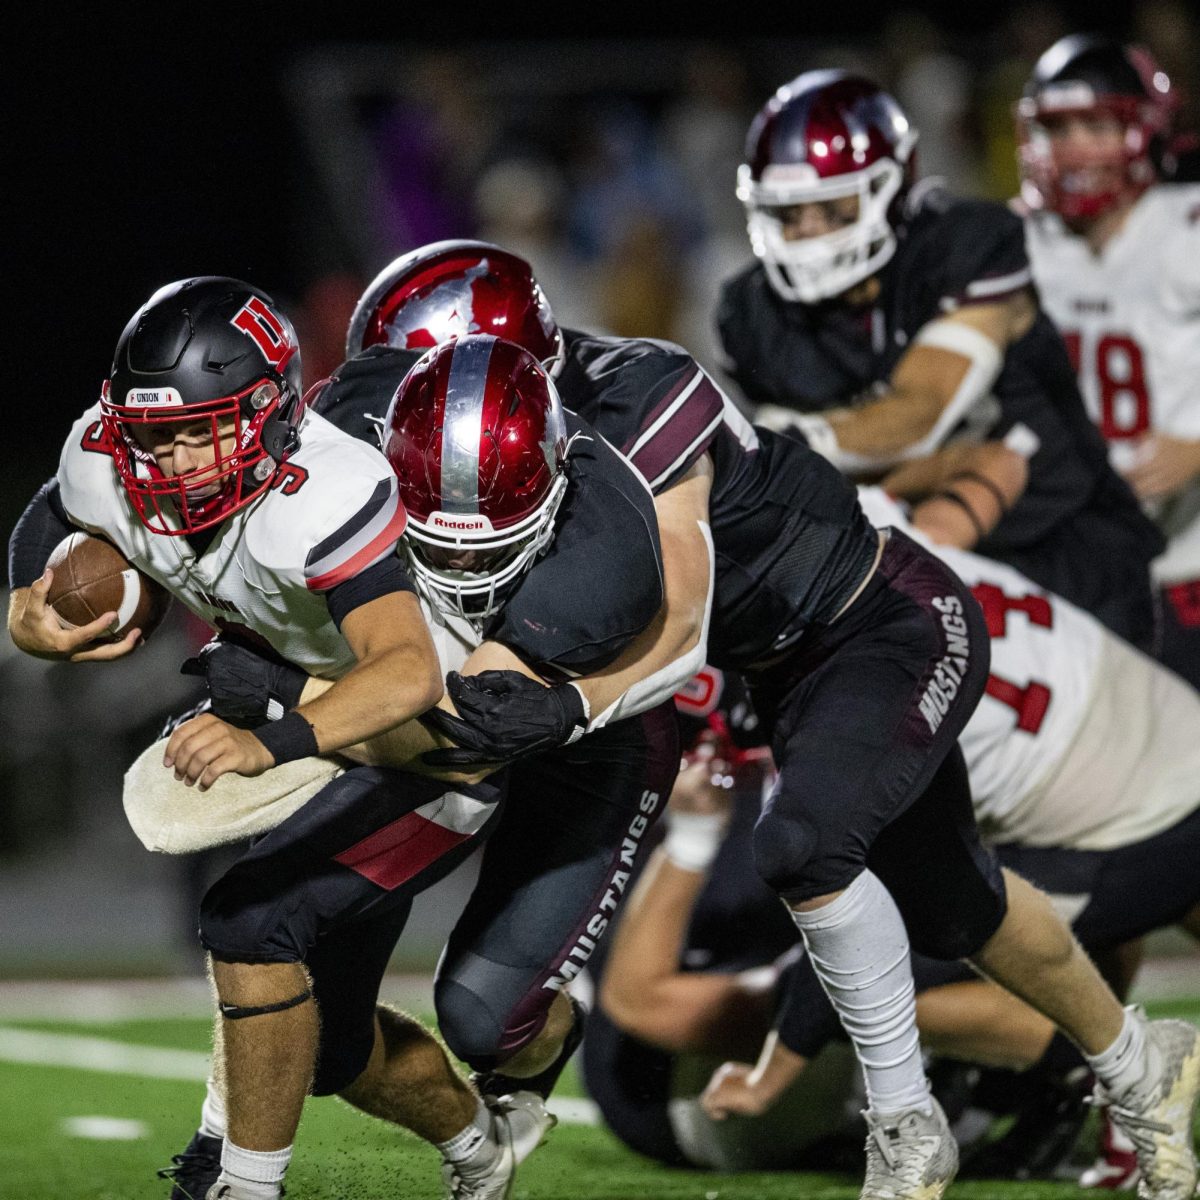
340, 1154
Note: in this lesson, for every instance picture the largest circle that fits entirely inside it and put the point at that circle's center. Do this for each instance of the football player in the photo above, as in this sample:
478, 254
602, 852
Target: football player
1103, 816
866, 657
1115, 251
885, 316
289, 574
513, 506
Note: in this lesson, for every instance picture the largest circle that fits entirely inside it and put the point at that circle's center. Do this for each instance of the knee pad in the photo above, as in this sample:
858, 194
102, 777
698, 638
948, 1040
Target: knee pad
471, 1030
341, 1059
949, 934
784, 847
241, 922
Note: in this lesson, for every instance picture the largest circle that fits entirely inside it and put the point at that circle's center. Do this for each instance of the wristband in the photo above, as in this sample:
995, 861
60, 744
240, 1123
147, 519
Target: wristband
985, 482
289, 738
972, 516
693, 839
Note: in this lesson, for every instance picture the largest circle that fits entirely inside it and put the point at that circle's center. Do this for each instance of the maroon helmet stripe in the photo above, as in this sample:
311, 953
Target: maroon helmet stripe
462, 423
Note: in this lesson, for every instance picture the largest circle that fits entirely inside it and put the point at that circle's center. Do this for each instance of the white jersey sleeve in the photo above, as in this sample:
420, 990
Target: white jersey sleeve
1079, 740
333, 512
1130, 317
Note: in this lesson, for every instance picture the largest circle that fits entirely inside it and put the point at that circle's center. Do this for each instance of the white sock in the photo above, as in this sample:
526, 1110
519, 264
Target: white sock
212, 1115
1124, 1064
859, 949
254, 1174
473, 1147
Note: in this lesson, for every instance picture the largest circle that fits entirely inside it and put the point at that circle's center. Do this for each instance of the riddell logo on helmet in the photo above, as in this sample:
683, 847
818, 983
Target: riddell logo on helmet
166, 397
460, 524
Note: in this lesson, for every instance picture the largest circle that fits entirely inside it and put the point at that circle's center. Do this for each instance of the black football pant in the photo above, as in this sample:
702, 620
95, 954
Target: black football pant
552, 876
332, 887
865, 714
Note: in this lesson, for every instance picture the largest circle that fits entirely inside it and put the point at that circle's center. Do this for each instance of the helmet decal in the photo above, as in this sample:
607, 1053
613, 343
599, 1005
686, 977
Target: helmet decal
445, 311
266, 331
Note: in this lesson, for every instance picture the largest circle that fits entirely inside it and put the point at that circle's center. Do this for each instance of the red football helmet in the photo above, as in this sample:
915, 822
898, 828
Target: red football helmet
212, 358
821, 137
1092, 78
476, 435
448, 289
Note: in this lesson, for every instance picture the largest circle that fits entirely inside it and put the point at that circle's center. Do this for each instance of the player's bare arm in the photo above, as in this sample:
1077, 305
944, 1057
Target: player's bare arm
396, 677
35, 630
961, 492
948, 368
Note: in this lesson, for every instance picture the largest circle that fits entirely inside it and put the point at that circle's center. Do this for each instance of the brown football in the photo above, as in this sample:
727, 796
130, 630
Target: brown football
92, 577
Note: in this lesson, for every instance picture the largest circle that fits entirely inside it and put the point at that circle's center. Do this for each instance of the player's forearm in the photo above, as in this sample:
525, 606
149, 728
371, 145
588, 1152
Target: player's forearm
380, 693
888, 427
776, 1070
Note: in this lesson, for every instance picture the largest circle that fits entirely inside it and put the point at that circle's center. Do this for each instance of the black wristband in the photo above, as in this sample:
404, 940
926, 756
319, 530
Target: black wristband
991, 485
955, 498
289, 738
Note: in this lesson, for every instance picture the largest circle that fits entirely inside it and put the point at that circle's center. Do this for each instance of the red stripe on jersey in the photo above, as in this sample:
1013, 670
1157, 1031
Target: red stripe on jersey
374, 549
396, 853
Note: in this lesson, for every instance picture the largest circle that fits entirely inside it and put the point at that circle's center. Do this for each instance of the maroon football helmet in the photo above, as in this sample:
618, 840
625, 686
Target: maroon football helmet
448, 289
821, 137
476, 435
1093, 79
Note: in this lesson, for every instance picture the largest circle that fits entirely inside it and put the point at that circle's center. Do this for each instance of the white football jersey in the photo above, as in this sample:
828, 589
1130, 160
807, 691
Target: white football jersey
1079, 740
1131, 319
334, 511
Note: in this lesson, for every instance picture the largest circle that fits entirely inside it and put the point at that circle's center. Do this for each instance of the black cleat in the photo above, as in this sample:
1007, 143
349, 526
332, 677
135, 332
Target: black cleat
195, 1170
496, 1083
1042, 1136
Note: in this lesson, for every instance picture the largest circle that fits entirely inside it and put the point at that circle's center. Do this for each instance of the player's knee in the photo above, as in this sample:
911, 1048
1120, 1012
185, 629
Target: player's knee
952, 933
470, 1028
341, 1058
238, 923
785, 852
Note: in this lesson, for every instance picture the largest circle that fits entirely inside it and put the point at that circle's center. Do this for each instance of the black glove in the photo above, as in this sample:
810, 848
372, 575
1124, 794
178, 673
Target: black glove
243, 683
504, 715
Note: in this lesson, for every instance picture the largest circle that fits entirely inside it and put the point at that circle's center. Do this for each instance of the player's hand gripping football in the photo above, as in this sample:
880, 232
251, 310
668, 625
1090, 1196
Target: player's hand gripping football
502, 716
36, 630
205, 748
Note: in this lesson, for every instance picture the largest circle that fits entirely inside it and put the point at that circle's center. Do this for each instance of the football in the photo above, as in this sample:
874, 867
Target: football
92, 577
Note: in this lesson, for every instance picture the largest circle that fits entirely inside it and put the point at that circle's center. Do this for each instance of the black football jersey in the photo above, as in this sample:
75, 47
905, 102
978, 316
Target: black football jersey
950, 253
600, 582
790, 541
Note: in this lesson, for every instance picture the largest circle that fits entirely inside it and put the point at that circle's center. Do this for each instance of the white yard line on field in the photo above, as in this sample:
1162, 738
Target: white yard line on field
159, 1062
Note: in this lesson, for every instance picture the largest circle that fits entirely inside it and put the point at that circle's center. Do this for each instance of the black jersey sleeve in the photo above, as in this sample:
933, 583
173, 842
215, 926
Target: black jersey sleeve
975, 255
600, 583
649, 398
42, 525
357, 395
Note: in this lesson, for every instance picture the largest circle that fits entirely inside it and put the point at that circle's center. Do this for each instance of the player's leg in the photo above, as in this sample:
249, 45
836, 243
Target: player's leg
365, 844
863, 717
552, 877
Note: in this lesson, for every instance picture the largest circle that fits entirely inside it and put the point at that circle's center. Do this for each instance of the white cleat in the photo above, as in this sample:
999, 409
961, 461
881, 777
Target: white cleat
911, 1155
520, 1123
1156, 1115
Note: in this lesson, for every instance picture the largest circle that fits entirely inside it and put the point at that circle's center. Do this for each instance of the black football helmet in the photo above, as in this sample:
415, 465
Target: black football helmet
1088, 75
209, 349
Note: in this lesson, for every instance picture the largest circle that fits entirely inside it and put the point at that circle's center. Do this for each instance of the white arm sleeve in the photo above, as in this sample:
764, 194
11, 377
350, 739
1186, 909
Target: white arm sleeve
667, 680
986, 361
